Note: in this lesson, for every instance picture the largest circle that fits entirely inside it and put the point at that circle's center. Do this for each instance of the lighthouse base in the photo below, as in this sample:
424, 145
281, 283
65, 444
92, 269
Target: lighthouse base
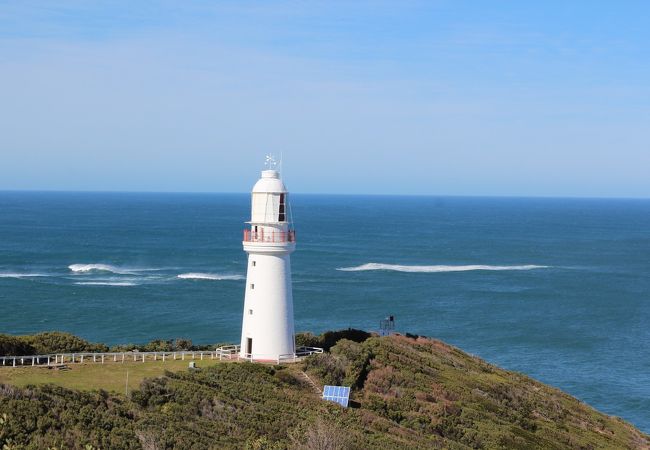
233, 352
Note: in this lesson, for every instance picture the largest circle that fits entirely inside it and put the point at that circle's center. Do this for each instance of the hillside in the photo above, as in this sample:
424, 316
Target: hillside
408, 393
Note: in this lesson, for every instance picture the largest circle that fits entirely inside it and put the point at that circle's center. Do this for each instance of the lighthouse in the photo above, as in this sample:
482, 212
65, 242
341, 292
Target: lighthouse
267, 325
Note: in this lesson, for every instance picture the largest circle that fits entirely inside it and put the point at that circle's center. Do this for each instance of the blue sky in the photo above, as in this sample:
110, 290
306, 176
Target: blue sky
438, 97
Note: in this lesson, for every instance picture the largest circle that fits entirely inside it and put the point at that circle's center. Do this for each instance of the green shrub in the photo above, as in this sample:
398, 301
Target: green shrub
329, 368
329, 339
307, 339
60, 342
14, 346
357, 359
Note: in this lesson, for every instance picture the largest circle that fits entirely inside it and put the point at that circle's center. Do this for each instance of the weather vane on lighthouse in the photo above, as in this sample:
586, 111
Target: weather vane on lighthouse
270, 162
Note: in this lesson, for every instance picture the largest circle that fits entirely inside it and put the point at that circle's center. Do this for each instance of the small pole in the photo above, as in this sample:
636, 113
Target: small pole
126, 389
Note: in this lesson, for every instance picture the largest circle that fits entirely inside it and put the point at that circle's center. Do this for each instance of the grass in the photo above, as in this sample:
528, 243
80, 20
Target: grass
110, 377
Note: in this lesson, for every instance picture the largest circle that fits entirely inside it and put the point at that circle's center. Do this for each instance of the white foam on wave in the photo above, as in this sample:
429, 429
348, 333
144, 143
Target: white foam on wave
435, 269
106, 283
208, 276
85, 268
21, 275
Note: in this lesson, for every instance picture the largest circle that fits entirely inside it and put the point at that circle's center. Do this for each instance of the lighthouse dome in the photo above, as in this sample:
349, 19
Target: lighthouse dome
269, 200
270, 183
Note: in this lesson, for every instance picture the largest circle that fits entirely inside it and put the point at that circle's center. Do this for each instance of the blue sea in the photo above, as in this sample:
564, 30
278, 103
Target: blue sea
558, 289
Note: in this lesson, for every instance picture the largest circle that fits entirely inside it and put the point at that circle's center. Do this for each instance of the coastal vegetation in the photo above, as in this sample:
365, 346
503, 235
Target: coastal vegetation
408, 392
60, 342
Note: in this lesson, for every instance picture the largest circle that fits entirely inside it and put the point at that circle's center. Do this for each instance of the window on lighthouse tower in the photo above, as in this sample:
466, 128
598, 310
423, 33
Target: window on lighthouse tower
282, 216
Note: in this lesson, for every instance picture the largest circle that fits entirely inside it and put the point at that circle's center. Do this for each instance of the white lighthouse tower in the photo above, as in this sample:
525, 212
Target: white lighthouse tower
267, 326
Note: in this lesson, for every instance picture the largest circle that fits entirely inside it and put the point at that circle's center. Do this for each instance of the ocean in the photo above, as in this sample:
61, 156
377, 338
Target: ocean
558, 289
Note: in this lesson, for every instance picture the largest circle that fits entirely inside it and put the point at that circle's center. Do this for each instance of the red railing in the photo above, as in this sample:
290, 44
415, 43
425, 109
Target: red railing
270, 236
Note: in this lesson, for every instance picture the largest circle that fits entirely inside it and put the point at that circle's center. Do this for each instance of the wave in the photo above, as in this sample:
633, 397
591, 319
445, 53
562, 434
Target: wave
85, 268
107, 283
208, 276
21, 275
435, 269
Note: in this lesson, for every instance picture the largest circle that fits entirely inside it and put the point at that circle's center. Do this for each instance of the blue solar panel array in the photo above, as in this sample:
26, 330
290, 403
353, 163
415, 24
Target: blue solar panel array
338, 394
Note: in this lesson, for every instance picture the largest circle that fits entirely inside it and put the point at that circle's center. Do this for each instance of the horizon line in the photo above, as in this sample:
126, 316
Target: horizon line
531, 196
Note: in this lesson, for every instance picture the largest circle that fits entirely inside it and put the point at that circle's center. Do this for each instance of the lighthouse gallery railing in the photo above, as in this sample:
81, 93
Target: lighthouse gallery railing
270, 236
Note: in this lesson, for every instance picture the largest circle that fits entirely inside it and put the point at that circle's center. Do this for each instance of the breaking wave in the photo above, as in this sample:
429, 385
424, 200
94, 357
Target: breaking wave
435, 269
85, 268
21, 275
208, 276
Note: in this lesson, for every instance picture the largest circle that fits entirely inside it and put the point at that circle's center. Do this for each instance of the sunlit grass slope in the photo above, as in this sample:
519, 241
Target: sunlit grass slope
111, 377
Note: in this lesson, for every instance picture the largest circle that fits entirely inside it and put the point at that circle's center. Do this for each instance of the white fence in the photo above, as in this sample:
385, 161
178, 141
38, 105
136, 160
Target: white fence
229, 352
56, 359
233, 352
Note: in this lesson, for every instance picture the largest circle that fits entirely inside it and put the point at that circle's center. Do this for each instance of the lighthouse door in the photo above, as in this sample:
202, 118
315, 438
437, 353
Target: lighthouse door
249, 346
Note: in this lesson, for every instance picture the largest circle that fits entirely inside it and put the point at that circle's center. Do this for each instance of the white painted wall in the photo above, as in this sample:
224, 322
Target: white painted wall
268, 301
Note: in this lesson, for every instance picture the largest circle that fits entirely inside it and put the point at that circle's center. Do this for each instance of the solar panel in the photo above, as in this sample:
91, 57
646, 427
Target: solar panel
337, 394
